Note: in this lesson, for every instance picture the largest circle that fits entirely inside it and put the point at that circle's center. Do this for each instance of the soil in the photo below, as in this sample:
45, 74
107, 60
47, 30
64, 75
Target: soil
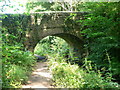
40, 78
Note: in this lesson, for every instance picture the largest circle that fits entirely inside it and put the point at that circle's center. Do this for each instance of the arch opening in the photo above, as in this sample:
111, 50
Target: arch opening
70, 44
50, 44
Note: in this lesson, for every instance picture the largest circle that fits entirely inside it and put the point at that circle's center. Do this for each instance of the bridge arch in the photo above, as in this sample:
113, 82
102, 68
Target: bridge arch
61, 24
38, 25
75, 43
72, 40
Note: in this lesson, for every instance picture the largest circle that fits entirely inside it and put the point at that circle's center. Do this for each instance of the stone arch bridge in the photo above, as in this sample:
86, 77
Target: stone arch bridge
58, 23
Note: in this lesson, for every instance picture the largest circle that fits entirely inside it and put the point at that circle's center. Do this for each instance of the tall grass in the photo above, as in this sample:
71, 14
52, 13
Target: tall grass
16, 66
66, 75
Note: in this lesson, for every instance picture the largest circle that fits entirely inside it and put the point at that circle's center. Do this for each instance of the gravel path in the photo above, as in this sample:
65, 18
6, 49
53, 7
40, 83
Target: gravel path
40, 78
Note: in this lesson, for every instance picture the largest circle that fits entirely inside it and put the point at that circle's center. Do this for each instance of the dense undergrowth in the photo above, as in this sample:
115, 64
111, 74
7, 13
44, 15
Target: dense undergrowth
102, 36
17, 63
101, 64
16, 66
67, 75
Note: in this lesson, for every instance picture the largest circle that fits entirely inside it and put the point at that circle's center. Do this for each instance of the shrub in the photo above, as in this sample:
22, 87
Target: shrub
66, 75
13, 76
17, 65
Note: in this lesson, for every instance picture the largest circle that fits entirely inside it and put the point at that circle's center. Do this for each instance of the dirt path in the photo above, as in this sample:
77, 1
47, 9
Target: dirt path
40, 78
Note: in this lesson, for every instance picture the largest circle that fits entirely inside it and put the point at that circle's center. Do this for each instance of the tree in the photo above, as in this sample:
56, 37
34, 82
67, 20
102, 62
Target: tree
102, 35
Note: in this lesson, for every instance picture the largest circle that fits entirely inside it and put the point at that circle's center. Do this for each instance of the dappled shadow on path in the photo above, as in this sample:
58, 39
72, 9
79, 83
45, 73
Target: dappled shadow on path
40, 78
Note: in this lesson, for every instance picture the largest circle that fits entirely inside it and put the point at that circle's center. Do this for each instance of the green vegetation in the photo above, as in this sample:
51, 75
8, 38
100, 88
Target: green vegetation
72, 76
49, 45
101, 62
102, 36
16, 66
16, 63
67, 75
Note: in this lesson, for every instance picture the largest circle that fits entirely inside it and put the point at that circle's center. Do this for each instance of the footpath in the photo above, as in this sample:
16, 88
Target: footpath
40, 78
